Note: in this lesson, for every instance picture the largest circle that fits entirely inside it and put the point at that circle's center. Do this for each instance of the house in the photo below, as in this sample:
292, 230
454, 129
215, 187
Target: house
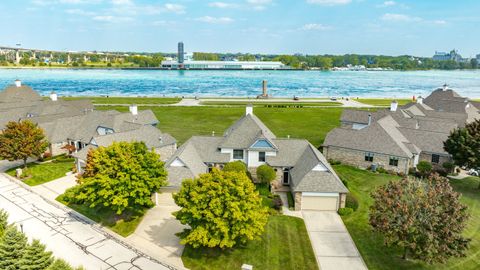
300, 167
398, 138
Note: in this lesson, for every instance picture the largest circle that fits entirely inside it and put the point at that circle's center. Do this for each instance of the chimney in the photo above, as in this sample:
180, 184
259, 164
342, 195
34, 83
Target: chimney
133, 109
264, 88
369, 119
249, 109
420, 100
53, 96
393, 106
445, 87
18, 83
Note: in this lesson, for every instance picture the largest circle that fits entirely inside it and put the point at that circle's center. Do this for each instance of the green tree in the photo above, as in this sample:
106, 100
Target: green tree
424, 167
425, 218
266, 174
121, 176
464, 145
35, 257
3, 221
12, 248
60, 264
21, 140
221, 209
235, 166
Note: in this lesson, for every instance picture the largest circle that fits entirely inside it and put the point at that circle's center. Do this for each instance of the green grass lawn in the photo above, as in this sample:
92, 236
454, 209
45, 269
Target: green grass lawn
370, 244
312, 124
124, 224
272, 103
384, 102
45, 172
128, 100
284, 245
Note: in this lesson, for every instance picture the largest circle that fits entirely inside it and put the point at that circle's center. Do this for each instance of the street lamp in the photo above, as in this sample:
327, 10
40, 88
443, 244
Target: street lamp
21, 227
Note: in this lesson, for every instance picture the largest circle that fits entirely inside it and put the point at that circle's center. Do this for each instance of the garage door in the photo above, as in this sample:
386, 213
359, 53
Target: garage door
322, 203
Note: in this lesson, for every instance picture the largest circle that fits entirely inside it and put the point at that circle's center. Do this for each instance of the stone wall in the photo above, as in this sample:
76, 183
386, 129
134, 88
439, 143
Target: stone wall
297, 196
343, 198
56, 149
357, 158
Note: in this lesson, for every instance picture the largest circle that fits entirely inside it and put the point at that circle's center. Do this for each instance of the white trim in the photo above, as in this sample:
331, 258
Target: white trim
320, 194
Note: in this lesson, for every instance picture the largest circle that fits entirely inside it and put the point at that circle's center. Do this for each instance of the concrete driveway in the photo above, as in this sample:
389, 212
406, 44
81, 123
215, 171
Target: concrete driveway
156, 232
332, 244
53, 189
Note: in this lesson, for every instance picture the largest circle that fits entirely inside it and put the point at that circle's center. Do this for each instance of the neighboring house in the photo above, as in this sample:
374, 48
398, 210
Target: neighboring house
299, 165
162, 143
398, 138
76, 125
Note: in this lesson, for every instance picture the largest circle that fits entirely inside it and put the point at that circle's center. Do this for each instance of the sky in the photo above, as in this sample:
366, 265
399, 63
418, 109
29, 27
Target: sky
400, 27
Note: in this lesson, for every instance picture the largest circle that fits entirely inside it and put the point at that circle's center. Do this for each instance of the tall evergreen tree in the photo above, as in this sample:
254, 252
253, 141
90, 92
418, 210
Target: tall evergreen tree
12, 248
35, 257
3, 221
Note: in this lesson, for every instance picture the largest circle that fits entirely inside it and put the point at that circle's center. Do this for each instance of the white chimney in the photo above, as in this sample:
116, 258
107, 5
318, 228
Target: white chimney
393, 106
249, 109
420, 100
18, 83
133, 109
369, 119
53, 96
445, 87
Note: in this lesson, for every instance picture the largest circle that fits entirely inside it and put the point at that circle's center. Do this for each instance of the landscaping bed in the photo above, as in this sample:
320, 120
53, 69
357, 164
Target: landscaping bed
39, 173
284, 245
375, 254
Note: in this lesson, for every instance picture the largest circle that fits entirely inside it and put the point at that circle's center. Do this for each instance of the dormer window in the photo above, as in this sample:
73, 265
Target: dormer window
262, 144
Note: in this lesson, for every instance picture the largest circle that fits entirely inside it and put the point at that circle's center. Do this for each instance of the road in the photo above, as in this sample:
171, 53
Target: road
67, 235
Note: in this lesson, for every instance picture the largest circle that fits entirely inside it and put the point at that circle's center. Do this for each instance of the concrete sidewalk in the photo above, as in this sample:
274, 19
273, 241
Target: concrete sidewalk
332, 244
51, 190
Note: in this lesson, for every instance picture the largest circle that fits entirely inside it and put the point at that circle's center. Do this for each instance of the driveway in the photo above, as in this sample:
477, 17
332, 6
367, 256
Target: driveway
68, 235
332, 244
53, 189
156, 232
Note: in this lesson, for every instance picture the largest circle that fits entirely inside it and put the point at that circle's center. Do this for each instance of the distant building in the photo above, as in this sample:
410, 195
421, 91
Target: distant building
185, 61
478, 57
451, 56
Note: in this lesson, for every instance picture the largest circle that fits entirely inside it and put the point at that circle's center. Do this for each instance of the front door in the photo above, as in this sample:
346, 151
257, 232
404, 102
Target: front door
286, 177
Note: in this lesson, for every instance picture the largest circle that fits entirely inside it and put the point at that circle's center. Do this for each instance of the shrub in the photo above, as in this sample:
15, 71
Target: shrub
381, 170
345, 211
351, 202
334, 162
235, 166
424, 167
277, 202
265, 174
47, 155
291, 201
449, 166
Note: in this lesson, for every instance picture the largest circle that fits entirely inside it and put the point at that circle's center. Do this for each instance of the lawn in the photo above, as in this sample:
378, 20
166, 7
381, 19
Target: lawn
124, 224
128, 100
312, 124
284, 245
45, 172
370, 244
272, 103
383, 102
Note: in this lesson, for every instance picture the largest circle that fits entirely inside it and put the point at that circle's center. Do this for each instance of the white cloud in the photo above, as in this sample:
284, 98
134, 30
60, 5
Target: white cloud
123, 2
441, 22
329, 2
222, 5
389, 3
79, 12
175, 8
112, 19
215, 20
315, 26
393, 17
259, 4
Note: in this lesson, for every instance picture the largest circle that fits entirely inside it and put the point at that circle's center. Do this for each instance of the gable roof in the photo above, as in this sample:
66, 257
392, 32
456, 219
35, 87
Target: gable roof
243, 133
24, 93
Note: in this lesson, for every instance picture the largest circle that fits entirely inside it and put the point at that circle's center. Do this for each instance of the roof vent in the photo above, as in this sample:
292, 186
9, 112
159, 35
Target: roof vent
133, 109
445, 87
53, 96
18, 83
420, 100
160, 139
393, 106
249, 109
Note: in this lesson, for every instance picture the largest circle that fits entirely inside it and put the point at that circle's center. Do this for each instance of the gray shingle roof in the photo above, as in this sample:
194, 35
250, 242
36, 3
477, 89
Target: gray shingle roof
13, 93
243, 133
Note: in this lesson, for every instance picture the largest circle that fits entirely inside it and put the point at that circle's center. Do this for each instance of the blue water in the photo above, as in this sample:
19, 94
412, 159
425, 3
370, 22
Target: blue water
242, 83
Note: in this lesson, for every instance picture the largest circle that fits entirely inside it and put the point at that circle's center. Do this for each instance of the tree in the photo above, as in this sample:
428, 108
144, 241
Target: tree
12, 248
21, 140
235, 166
35, 257
464, 145
424, 167
221, 208
3, 221
425, 218
266, 174
121, 176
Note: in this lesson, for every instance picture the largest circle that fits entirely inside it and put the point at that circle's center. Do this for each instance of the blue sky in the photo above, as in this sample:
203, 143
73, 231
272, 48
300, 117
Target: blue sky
254, 26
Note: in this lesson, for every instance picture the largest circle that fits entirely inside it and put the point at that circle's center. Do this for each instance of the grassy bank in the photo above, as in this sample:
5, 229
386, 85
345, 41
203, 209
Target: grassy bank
128, 100
284, 245
370, 244
312, 124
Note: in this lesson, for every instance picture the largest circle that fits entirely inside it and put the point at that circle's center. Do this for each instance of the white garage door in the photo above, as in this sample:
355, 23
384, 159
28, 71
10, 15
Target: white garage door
320, 201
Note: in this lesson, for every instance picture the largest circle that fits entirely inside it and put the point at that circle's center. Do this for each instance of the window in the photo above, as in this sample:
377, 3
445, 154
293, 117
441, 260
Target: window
262, 144
393, 161
237, 154
435, 158
261, 156
369, 157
